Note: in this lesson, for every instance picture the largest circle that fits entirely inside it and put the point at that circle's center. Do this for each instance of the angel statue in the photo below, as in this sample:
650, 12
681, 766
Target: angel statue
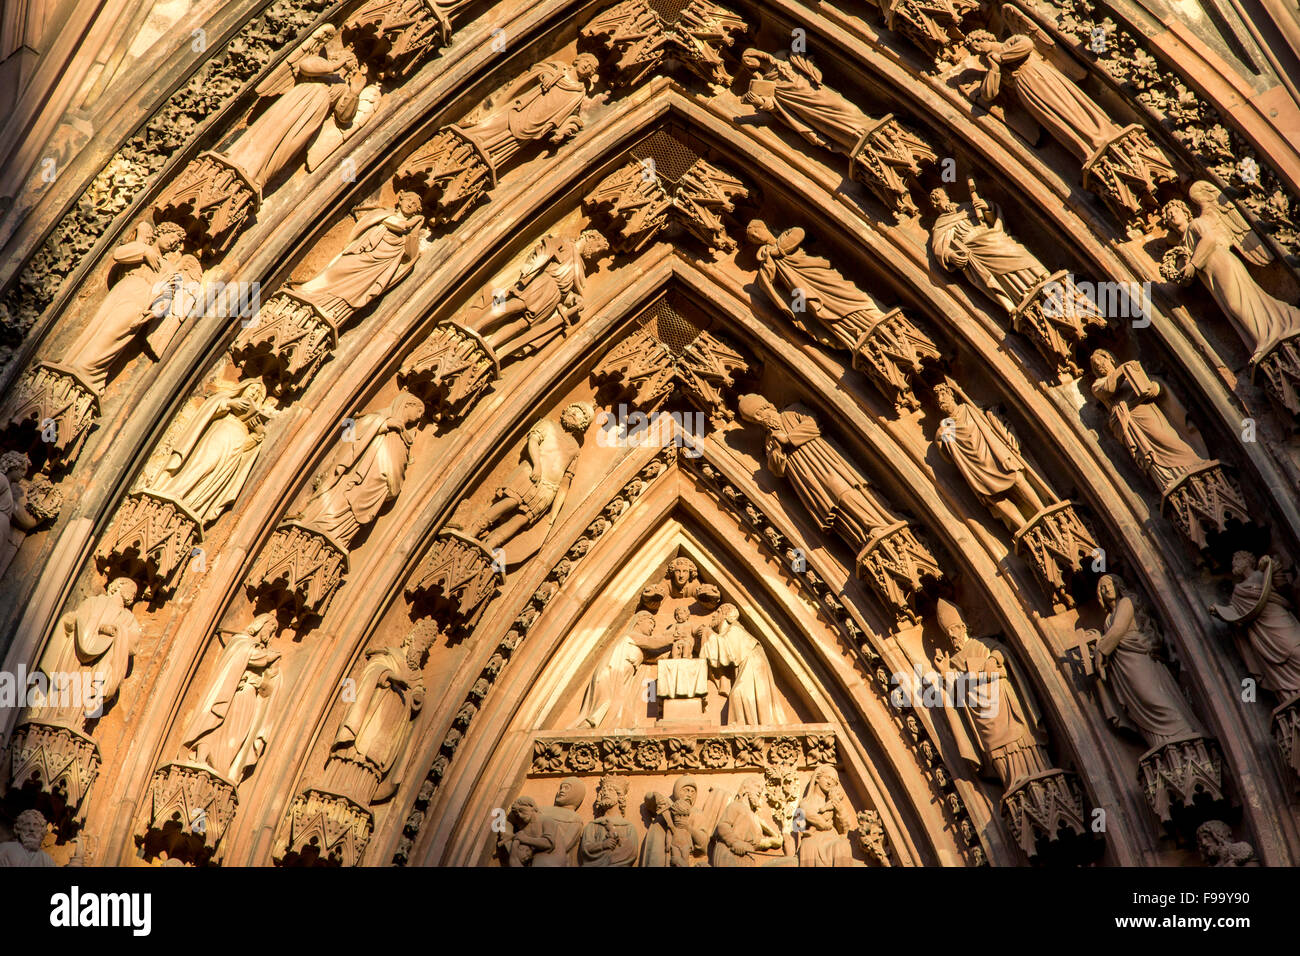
310, 87
1206, 248
790, 86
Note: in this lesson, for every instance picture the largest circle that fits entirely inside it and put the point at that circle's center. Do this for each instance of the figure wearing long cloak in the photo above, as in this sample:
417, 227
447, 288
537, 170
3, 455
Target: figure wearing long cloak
830, 489
547, 293
1139, 683
377, 726
127, 309
985, 453
835, 312
1271, 646
753, 698
211, 461
613, 680
828, 818
994, 715
992, 259
363, 476
1059, 106
1138, 422
550, 105
381, 250
563, 827
1261, 320
277, 138
93, 645
598, 831
739, 823
230, 729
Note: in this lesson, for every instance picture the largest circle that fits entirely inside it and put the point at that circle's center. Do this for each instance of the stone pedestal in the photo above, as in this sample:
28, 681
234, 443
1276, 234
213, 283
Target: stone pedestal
211, 199
299, 567
285, 343
1183, 781
187, 813
450, 371
1204, 501
1056, 317
1125, 174
451, 170
892, 351
458, 576
1278, 372
323, 829
874, 162
1056, 543
896, 564
57, 765
1040, 808
56, 404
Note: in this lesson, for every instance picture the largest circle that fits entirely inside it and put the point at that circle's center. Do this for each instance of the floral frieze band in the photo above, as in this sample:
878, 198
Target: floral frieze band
653, 753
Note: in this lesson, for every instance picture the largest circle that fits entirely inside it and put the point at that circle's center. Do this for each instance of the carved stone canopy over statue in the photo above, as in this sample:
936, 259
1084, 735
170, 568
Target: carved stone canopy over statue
229, 730
825, 305
1268, 633
642, 35
401, 33
1119, 163
1196, 491
1047, 307
883, 154
1268, 326
840, 501
460, 161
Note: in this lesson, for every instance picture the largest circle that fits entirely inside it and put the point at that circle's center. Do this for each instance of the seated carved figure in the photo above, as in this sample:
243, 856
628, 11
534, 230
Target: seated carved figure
742, 837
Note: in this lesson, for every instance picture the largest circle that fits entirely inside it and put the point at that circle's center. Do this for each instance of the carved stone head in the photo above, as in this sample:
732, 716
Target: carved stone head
751, 792
592, 244
1102, 362
523, 810
940, 201
263, 628
571, 793
168, 236
725, 616
1211, 837
1243, 565
756, 408
643, 622
406, 410
981, 41
29, 828
409, 203
951, 623
576, 417
1177, 217
682, 571
758, 233
685, 791
945, 397
585, 65
14, 465
611, 794
1109, 590
124, 589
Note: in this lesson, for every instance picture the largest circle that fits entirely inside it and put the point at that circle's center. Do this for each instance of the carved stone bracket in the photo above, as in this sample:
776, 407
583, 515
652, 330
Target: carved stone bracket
933, 25
286, 343
639, 36
1286, 732
452, 172
891, 352
666, 184
151, 541
57, 403
798, 748
324, 829
1176, 776
1056, 317
896, 564
874, 161
1056, 543
1280, 369
299, 566
60, 762
1204, 500
1117, 167
187, 813
450, 371
211, 198
400, 34
458, 574
1040, 806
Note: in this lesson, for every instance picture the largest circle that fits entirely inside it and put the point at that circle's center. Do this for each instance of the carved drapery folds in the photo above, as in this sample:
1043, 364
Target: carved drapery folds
461, 162
639, 37
886, 346
1046, 307
666, 187
542, 302
884, 155
889, 555
304, 562
400, 34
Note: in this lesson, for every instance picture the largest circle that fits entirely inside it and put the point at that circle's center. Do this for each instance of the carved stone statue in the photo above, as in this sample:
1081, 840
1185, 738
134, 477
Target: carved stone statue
885, 155
1268, 632
1196, 490
1132, 673
825, 305
1267, 325
1125, 160
742, 837
987, 453
840, 501
610, 839
210, 461
25, 849
525, 837
365, 473
603, 701
376, 729
562, 826
999, 725
827, 817
1218, 848
381, 249
675, 837
459, 161
230, 729
20, 511
91, 648
536, 488
154, 264
313, 88
1047, 307
751, 690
